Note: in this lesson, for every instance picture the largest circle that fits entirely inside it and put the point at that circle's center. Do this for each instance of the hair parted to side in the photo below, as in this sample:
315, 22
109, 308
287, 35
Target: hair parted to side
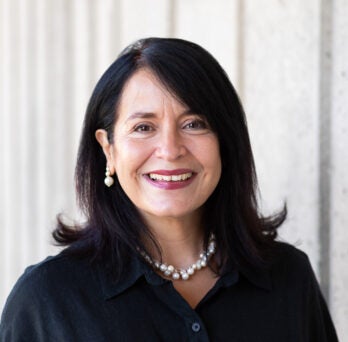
113, 227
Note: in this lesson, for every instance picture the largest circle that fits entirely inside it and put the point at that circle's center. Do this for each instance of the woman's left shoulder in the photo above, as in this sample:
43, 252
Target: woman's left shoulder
291, 261
287, 252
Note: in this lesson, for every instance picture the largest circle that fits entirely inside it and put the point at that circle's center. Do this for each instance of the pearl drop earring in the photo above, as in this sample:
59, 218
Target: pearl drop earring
108, 180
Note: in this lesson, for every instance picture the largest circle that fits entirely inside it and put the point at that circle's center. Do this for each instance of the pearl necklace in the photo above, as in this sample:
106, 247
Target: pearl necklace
183, 273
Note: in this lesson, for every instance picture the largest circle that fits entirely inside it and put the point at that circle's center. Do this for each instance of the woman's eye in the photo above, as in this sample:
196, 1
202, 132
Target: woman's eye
143, 128
196, 124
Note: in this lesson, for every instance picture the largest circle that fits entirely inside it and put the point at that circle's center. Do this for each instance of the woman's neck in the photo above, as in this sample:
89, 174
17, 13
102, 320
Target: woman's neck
181, 240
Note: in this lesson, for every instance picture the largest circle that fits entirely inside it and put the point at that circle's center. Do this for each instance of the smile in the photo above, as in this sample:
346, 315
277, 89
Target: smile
171, 178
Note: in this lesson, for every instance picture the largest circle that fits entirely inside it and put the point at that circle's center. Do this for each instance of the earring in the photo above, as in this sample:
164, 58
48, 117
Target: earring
108, 180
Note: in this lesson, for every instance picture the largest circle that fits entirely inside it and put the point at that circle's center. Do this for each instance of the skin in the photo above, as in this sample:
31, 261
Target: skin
155, 133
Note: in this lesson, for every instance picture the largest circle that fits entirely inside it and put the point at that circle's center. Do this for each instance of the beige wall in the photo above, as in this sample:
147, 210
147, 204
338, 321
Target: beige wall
288, 60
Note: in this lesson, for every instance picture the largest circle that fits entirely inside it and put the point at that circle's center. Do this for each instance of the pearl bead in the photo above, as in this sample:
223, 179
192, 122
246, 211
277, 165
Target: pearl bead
148, 259
163, 267
108, 181
176, 275
184, 276
211, 248
170, 268
190, 270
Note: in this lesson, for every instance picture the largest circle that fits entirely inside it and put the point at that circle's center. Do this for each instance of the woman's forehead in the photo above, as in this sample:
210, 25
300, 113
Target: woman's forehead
144, 92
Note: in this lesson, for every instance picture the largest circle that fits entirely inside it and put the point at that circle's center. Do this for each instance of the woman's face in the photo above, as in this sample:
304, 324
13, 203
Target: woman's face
166, 157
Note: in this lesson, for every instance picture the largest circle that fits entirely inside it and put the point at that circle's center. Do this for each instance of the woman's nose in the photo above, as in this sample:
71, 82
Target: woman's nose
170, 145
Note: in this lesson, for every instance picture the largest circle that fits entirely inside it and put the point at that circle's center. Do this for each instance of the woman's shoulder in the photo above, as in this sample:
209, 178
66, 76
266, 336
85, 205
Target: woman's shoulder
46, 281
289, 253
41, 294
291, 263
52, 269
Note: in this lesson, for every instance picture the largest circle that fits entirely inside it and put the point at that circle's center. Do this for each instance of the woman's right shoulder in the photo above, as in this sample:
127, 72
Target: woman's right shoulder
52, 270
33, 273
38, 293
61, 270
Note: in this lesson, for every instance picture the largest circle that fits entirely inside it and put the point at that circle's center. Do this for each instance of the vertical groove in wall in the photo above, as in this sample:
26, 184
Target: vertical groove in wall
240, 47
42, 32
50, 125
93, 44
115, 39
4, 135
80, 64
25, 129
172, 18
326, 21
69, 95
12, 161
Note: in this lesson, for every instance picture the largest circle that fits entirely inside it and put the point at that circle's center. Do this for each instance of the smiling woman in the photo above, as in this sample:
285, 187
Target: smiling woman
173, 247
166, 147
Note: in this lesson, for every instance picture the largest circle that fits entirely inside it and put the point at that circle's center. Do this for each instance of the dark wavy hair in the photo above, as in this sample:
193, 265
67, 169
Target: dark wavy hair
113, 227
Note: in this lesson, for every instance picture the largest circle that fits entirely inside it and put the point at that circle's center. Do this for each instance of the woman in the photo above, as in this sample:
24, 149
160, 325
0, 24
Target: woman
174, 248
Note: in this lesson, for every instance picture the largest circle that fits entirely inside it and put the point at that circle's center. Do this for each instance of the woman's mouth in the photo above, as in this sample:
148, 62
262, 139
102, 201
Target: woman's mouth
171, 178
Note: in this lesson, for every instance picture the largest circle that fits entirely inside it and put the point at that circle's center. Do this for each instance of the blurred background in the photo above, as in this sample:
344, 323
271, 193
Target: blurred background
286, 58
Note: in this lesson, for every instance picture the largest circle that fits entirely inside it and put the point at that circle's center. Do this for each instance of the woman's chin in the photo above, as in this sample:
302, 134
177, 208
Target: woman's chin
169, 213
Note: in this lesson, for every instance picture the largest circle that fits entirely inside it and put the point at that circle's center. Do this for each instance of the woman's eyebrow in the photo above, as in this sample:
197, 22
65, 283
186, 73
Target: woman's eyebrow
141, 115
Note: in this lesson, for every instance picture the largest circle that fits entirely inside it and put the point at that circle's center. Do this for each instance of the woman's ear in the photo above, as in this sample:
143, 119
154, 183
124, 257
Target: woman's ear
102, 137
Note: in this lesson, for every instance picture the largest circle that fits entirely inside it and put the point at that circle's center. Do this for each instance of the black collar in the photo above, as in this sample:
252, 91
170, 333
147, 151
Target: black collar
139, 269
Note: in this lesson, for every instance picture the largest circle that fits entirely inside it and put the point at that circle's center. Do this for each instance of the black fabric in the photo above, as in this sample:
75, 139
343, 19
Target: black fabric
69, 299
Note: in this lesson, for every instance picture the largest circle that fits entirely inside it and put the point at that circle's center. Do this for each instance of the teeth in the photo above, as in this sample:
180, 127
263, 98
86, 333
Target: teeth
174, 178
